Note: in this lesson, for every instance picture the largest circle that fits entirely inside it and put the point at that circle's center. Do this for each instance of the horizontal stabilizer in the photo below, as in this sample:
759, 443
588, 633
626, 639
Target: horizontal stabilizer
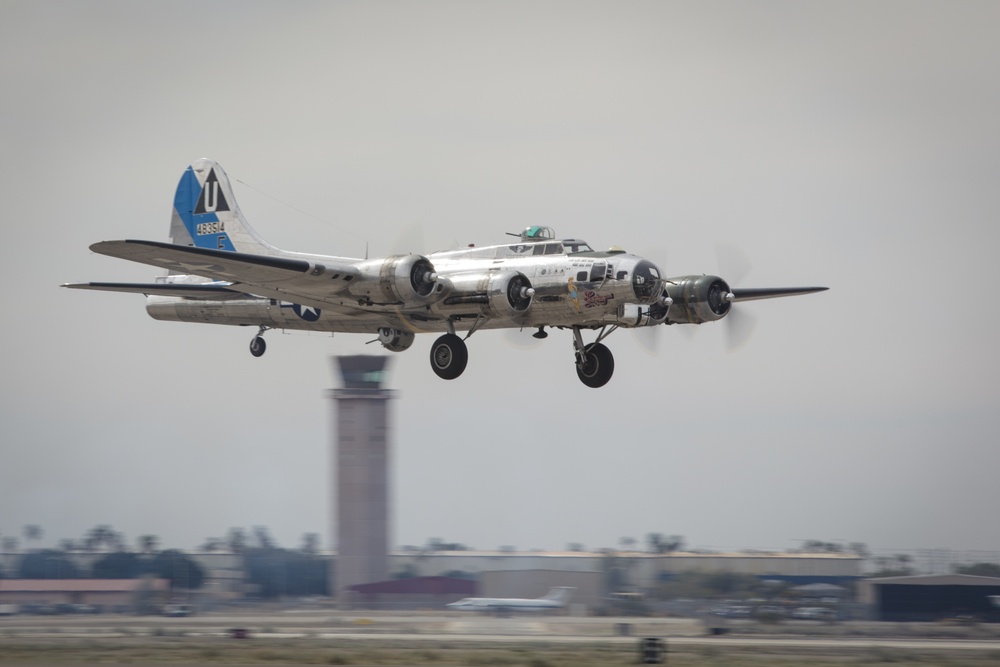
752, 294
192, 291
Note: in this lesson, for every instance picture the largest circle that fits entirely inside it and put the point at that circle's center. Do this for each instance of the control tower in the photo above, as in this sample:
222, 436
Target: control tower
361, 472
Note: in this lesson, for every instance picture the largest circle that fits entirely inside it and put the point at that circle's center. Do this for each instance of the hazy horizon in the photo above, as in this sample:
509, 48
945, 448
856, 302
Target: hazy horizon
852, 145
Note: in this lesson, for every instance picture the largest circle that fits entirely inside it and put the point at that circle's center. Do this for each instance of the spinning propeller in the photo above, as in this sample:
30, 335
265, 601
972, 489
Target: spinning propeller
700, 299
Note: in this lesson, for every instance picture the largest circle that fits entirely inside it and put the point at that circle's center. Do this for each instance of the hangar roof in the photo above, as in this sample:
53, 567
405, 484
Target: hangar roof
938, 580
419, 586
81, 585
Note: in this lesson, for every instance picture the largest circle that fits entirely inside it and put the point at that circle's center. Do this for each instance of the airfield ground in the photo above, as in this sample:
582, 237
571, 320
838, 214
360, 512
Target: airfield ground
336, 638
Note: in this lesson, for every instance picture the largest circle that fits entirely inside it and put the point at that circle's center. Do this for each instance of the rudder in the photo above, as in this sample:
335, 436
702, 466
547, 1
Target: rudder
205, 213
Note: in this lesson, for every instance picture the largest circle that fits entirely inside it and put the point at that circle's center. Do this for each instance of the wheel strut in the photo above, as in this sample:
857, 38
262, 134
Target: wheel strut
257, 344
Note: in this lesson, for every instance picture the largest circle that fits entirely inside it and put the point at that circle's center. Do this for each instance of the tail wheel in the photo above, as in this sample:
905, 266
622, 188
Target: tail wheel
449, 356
257, 346
597, 367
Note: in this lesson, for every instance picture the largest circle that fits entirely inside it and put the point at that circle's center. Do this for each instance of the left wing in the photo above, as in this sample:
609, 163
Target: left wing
308, 282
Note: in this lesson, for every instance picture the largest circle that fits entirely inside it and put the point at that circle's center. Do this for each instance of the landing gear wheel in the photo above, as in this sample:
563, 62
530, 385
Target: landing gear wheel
257, 346
449, 355
597, 367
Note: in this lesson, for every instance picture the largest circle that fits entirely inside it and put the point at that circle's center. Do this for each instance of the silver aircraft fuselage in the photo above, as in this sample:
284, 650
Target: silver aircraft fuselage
220, 271
584, 288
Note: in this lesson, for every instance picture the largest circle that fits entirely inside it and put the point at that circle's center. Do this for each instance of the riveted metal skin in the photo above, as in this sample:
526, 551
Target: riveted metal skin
220, 271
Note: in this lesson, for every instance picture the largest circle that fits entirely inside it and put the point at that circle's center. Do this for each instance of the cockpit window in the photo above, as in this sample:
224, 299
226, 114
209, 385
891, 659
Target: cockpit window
598, 271
576, 246
547, 249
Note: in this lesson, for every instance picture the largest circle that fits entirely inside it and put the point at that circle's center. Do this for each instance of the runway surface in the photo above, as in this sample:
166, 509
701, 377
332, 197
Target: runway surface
467, 629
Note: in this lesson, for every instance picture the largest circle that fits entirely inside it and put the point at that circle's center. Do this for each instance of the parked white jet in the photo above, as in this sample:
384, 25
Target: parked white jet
556, 598
220, 271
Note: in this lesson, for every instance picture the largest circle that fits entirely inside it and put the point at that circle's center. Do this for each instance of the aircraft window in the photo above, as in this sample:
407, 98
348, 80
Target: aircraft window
622, 275
597, 271
577, 247
537, 232
553, 249
645, 279
581, 276
538, 249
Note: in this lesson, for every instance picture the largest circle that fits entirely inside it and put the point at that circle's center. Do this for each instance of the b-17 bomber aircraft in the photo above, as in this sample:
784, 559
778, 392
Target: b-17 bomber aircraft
220, 271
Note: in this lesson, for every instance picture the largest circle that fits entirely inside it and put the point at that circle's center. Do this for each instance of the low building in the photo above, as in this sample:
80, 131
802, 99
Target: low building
410, 593
643, 571
930, 597
103, 593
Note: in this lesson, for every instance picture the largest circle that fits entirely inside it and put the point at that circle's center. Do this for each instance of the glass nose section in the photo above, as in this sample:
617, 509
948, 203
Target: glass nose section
646, 281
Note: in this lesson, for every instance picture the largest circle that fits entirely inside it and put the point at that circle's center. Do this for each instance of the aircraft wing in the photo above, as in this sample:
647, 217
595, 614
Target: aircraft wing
275, 276
218, 291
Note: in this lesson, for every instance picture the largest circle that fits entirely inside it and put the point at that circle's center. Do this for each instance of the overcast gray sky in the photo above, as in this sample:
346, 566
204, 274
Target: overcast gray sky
849, 144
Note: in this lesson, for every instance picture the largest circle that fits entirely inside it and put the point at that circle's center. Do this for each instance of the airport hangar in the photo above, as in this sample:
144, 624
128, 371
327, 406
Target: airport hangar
642, 570
523, 570
930, 597
362, 424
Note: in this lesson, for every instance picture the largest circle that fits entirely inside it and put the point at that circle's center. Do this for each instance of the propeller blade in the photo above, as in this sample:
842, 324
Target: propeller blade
523, 338
408, 240
740, 326
648, 339
732, 263
752, 294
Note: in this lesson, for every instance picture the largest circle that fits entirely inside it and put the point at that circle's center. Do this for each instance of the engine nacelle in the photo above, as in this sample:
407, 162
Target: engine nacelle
505, 294
698, 299
395, 340
398, 279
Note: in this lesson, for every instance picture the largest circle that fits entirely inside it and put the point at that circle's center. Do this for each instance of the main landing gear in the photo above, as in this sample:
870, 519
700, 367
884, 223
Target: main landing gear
449, 353
449, 356
257, 345
594, 363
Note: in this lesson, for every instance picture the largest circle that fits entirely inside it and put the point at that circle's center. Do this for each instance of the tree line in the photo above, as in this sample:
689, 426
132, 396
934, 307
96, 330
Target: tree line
269, 570
182, 571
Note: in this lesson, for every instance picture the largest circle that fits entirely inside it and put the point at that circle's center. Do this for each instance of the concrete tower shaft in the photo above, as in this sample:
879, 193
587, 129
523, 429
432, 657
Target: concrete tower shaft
361, 472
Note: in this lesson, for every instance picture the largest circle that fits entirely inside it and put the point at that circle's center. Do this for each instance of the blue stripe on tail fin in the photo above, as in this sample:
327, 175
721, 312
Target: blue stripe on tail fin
197, 206
206, 214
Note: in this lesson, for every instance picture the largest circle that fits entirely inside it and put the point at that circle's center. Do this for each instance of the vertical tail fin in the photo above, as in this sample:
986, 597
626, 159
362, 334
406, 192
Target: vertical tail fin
205, 213
559, 594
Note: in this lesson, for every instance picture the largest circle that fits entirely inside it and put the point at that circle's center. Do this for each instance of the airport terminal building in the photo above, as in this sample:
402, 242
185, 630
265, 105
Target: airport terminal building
226, 579
643, 570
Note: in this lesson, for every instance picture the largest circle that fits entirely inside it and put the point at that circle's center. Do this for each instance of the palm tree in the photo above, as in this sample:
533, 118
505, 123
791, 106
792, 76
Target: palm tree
32, 532
310, 543
236, 540
213, 544
148, 543
102, 535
